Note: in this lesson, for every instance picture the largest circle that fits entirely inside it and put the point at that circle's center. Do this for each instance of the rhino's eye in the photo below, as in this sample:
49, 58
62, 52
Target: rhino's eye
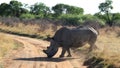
52, 38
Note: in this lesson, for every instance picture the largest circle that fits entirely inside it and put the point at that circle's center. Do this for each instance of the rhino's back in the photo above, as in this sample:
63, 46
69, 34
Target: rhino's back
73, 37
60, 34
80, 37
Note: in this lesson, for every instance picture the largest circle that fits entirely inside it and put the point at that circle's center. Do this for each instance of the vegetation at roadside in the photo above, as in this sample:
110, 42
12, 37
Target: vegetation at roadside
107, 55
31, 28
1, 66
7, 44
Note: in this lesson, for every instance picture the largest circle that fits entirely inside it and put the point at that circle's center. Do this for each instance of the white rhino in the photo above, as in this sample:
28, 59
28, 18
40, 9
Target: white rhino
71, 37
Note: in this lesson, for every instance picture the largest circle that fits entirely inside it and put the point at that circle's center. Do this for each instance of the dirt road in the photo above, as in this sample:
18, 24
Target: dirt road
31, 56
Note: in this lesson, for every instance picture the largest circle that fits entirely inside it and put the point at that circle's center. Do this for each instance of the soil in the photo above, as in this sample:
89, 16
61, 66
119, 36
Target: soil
31, 56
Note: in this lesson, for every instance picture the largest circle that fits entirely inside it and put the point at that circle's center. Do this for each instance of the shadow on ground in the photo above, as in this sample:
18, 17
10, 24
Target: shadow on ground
45, 59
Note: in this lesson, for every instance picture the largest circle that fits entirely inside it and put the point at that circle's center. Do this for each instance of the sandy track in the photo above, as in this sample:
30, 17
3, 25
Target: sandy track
31, 56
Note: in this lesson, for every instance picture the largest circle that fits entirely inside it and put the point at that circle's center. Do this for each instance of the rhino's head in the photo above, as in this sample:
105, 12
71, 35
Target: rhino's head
52, 49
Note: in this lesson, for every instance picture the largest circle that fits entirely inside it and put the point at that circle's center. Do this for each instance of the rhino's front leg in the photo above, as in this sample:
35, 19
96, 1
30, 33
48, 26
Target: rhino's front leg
63, 52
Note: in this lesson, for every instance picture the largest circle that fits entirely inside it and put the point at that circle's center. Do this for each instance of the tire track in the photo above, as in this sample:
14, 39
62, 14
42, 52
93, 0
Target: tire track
31, 56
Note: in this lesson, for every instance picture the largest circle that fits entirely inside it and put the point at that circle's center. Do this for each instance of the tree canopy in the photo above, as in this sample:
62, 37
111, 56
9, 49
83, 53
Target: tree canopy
40, 9
67, 9
69, 14
106, 7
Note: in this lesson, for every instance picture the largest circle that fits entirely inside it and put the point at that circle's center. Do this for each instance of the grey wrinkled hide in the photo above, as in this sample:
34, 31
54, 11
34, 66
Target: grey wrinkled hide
71, 38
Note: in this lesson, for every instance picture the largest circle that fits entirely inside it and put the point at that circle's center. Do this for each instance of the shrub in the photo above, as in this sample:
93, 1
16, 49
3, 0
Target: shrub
27, 16
93, 19
70, 19
116, 23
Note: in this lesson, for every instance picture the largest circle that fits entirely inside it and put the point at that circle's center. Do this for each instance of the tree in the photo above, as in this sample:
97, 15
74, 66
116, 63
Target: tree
74, 10
4, 9
40, 9
106, 7
116, 18
16, 8
60, 9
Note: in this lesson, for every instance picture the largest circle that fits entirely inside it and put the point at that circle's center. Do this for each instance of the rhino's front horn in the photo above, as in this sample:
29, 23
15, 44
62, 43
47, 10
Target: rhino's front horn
48, 49
45, 51
51, 53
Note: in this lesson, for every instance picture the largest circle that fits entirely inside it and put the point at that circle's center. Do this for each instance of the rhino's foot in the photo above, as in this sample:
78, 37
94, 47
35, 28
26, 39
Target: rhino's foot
61, 56
49, 56
69, 55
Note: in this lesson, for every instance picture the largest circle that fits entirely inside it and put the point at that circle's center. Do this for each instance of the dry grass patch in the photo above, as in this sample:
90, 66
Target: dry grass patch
7, 44
21, 28
29, 29
109, 47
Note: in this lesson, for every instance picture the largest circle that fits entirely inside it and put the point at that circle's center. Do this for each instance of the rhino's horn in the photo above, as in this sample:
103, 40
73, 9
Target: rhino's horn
51, 53
48, 50
45, 51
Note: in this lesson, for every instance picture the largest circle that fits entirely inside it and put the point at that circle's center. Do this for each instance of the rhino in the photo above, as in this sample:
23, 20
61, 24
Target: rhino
71, 38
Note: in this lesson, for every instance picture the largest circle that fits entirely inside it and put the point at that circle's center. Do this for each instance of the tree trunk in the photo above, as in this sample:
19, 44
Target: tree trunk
109, 22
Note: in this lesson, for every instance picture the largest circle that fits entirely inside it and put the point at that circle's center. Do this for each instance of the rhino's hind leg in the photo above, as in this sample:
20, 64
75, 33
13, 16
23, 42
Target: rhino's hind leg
92, 43
92, 46
69, 54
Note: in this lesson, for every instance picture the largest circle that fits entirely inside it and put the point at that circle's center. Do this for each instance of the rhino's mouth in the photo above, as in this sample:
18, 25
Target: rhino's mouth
50, 52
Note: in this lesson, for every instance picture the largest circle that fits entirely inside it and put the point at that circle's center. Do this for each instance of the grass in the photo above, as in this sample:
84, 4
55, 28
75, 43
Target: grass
109, 48
108, 41
7, 44
17, 45
1, 66
30, 30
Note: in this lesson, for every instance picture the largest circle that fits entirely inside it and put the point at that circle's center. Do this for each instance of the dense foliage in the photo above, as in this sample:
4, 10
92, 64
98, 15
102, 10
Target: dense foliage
69, 15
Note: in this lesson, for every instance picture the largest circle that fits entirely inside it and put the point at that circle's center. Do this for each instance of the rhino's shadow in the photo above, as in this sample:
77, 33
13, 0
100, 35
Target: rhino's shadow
44, 59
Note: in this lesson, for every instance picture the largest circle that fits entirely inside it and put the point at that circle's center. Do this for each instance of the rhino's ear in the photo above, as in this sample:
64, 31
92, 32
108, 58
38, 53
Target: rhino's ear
52, 40
48, 38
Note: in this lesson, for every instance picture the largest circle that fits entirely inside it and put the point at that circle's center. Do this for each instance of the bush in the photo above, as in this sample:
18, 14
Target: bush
9, 21
116, 23
27, 16
70, 19
93, 19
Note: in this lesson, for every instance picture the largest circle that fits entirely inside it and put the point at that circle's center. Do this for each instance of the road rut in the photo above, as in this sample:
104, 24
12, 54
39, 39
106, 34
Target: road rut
32, 56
